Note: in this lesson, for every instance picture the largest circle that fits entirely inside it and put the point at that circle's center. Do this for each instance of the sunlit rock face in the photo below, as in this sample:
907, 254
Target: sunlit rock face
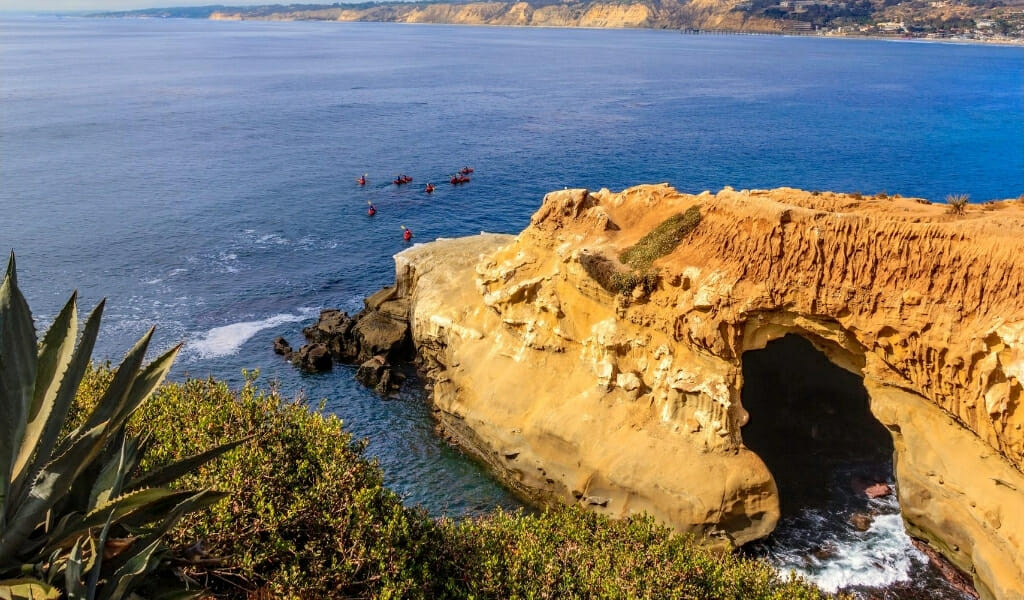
634, 402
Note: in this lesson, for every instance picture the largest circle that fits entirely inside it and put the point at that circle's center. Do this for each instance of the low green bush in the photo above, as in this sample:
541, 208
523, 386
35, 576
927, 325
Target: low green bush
602, 270
661, 240
309, 517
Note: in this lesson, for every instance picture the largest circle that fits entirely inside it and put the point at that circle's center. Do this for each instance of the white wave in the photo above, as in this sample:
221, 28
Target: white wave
152, 281
228, 339
272, 238
879, 557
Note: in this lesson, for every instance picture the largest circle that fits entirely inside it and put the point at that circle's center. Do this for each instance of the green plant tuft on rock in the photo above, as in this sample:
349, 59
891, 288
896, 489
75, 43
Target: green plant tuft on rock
957, 204
77, 518
662, 240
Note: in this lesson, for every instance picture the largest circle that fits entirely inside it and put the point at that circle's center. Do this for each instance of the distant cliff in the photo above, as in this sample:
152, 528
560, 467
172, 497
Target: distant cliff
995, 19
580, 382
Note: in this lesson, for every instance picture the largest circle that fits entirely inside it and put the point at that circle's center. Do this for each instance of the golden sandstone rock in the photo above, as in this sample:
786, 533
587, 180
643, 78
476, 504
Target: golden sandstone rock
626, 403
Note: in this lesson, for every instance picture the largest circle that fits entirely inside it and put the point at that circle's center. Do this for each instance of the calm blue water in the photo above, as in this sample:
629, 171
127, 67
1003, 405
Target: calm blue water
200, 175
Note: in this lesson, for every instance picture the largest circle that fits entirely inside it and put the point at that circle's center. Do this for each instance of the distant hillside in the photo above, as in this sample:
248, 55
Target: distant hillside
999, 20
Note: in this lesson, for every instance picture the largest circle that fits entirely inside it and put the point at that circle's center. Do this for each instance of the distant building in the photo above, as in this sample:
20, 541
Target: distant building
890, 27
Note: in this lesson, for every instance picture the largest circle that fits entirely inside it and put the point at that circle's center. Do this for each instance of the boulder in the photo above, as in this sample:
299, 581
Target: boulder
282, 347
376, 373
878, 490
370, 372
861, 521
378, 334
313, 358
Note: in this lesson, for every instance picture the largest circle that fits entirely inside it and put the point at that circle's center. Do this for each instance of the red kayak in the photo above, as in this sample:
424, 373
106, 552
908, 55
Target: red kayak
402, 180
457, 179
361, 180
466, 170
429, 189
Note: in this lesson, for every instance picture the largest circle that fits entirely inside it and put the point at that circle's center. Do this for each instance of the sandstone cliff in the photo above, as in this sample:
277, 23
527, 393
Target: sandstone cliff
709, 14
627, 403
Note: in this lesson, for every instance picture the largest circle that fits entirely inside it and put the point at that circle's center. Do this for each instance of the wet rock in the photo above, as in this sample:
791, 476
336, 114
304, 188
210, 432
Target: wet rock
377, 333
282, 347
313, 358
376, 373
954, 576
861, 521
824, 552
878, 490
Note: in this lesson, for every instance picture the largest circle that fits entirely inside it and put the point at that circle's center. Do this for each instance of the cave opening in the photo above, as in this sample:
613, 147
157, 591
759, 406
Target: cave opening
811, 423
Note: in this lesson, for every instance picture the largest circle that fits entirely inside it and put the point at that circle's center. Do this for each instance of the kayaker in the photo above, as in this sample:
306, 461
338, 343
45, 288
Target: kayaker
362, 180
372, 210
406, 233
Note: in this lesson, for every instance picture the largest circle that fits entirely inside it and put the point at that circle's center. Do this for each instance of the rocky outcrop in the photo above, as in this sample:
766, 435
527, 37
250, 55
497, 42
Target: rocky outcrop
633, 402
374, 338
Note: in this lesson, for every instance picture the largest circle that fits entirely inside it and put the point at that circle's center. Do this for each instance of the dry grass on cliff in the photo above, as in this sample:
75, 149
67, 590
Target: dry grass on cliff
661, 240
957, 203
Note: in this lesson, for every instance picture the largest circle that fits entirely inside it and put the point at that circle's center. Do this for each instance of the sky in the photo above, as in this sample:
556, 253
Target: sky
78, 5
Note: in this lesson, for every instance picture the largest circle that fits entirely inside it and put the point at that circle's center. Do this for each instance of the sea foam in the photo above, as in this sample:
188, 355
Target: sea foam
228, 339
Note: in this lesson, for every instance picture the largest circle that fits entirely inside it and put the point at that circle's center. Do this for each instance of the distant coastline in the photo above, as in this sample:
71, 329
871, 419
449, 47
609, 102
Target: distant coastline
1000, 24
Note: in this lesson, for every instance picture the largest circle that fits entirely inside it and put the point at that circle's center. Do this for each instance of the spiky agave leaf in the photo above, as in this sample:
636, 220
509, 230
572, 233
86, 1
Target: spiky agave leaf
62, 403
55, 353
134, 565
17, 376
52, 483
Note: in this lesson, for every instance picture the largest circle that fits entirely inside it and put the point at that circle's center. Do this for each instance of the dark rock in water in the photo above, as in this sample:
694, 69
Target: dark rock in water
379, 334
282, 347
370, 372
954, 576
382, 328
334, 330
824, 552
861, 521
313, 358
374, 338
379, 375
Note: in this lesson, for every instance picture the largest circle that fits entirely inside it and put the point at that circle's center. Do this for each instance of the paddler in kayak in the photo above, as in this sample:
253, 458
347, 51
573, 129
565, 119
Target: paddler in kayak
372, 210
362, 180
406, 233
429, 189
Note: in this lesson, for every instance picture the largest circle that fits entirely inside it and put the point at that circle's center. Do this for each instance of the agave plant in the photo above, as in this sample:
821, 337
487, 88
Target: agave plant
76, 516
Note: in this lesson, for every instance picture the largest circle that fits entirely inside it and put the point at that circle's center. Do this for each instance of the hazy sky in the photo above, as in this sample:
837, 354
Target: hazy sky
73, 5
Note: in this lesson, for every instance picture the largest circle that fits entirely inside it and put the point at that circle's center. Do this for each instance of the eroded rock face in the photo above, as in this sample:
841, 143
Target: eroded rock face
627, 403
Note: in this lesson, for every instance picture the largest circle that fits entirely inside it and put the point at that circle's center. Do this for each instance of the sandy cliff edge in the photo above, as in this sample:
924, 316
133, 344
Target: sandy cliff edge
624, 404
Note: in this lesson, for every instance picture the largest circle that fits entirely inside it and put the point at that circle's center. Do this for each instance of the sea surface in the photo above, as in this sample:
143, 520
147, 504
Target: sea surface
201, 175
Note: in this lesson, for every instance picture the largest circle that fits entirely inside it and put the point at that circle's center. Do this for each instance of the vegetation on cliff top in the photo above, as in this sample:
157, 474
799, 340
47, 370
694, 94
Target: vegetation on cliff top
309, 515
661, 240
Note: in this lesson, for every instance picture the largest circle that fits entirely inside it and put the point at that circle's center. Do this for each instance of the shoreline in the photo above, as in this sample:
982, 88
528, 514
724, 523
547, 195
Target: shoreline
1006, 43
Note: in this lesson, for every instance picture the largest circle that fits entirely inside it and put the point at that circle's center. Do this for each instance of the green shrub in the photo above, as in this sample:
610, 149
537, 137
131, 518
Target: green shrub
311, 518
309, 512
957, 203
571, 553
602, 270
662, 240
625, 283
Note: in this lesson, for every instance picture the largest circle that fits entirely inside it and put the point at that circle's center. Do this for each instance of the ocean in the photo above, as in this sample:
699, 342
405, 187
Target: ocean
201, 175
